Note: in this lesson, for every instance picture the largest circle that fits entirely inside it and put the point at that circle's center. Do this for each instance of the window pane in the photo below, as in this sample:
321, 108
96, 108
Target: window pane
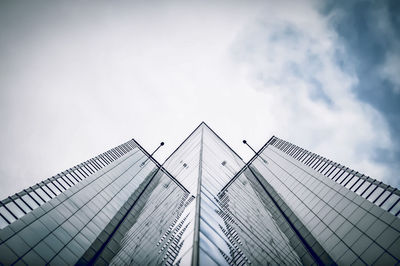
375, 194
352, 181
340, 175
91, 168
356, 184
30, 201
332, 171
22, 205
396, 208
363, 187
3, 223
343, 177
70, 179
63, 182
47, 190
15, 210
369, 190
53, 188
382, 198
42, 194
56, 184
390, 201
7, 215
33, 194
80, 174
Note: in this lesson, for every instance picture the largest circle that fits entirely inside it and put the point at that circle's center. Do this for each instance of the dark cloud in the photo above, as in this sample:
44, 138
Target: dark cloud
370, 32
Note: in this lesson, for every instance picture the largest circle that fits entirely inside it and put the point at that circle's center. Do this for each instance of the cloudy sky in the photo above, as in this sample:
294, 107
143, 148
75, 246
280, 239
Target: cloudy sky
77, 78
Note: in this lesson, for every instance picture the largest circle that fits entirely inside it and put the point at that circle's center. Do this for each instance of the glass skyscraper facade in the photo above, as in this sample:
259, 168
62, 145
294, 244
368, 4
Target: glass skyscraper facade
203, 206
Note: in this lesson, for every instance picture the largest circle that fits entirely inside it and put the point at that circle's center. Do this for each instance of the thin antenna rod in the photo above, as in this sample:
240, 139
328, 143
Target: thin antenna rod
151, 155
161, 144
259, 155
245, 142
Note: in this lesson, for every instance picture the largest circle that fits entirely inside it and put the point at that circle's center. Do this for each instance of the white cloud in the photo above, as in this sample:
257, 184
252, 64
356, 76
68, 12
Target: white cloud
292, 58
88, 79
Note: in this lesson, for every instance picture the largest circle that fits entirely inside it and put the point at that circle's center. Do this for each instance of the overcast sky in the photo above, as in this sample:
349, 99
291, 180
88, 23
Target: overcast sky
80, 77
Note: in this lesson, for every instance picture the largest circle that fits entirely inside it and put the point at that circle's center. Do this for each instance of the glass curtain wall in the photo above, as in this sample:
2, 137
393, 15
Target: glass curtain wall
350, 228
61, 230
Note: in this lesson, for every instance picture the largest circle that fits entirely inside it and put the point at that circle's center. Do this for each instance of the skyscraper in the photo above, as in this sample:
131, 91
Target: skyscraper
204, 205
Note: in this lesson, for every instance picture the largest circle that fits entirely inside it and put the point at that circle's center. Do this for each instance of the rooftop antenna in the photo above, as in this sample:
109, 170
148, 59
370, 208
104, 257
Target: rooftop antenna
259, 155
245, 142
151, 155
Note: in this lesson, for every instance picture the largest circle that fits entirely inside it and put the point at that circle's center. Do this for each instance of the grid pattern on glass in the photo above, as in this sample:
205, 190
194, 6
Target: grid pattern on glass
156, 229
106, 244
218, 164
350, 228
183, 164
251, 231
306, 246
204, 163
19, 204
62, 229
376, 192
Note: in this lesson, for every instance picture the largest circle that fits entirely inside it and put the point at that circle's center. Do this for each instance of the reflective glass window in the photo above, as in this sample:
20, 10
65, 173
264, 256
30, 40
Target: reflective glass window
314, 161
76, 176
366, 188
395, 208
7, 214
71, 177
47, 190
58, 187
53, 188
88, 168
305, 157
298, 154
42, 194
326, 168
389, 202
358, 185
343, 177
336, 173
351, 182
3, 223
343, 173
30, 201
382, 198
82, 172
62, 181
374, 194
205, 259
212, 249
332, 171
36, 197
317, 163
22, 205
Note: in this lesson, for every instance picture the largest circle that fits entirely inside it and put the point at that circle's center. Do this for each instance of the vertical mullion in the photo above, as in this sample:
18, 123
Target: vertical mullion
19, 207
29, 206
5, 207
49, 189
32, 197
196, 231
